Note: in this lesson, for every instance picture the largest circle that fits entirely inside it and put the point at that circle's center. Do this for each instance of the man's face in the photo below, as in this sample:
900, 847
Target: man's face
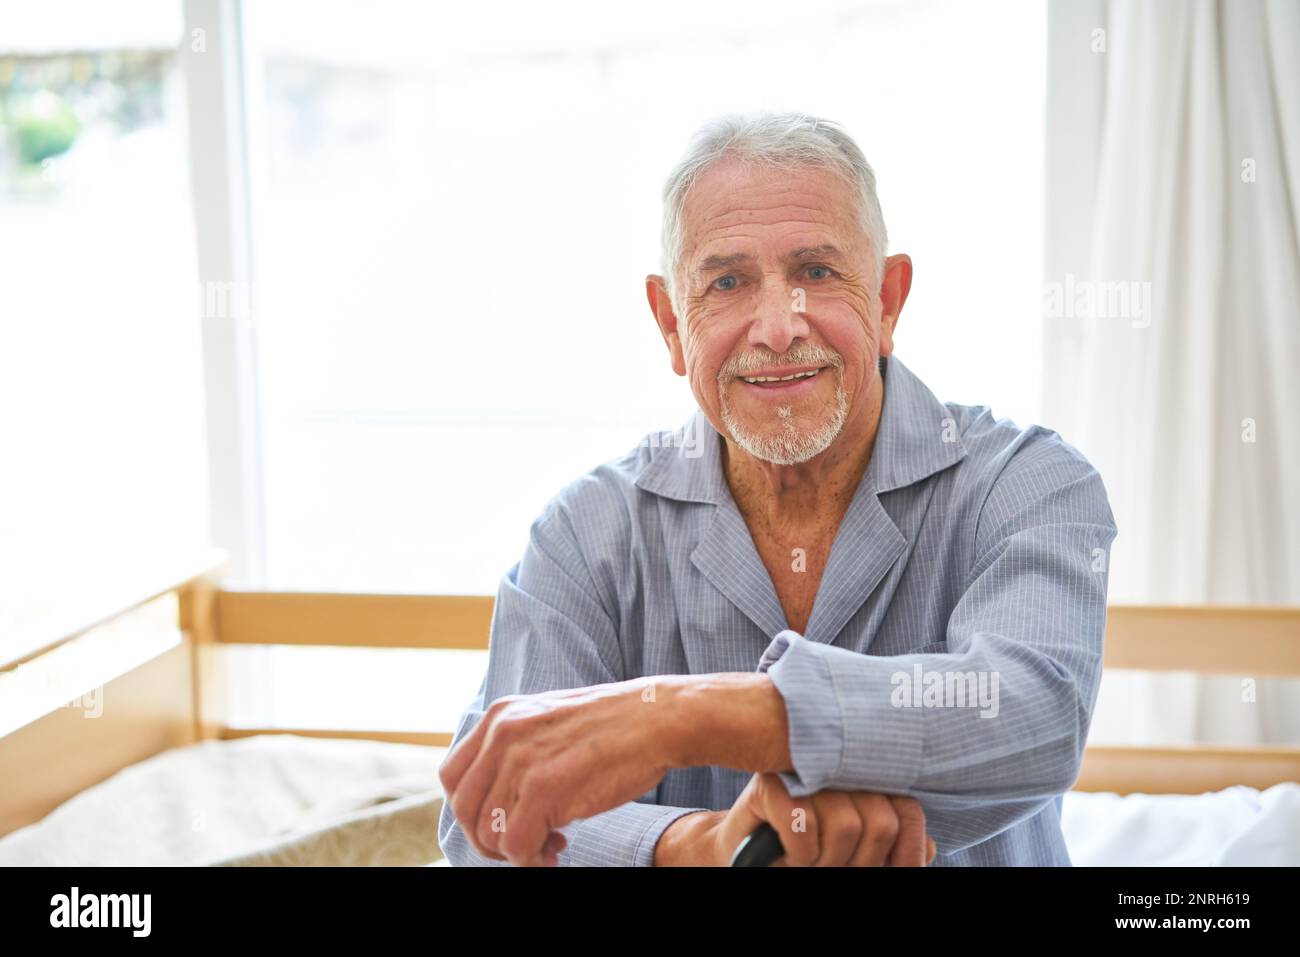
778, 280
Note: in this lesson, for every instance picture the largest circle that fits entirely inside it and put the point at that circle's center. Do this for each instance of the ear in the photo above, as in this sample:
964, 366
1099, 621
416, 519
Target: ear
894, 287
656, 292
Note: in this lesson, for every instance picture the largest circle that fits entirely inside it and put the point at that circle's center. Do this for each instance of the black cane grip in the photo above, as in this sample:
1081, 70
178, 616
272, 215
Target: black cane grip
761, 848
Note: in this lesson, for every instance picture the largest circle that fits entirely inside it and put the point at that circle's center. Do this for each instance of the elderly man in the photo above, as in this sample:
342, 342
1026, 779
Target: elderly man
831, 603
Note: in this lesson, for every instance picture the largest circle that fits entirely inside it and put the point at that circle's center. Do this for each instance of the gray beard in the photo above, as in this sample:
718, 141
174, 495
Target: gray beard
792, 446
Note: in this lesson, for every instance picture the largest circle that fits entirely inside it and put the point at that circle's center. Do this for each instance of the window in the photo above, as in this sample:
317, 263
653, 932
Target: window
101, 436
452, 225
449, 228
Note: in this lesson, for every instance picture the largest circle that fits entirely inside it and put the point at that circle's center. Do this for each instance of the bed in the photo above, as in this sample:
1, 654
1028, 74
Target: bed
161, 778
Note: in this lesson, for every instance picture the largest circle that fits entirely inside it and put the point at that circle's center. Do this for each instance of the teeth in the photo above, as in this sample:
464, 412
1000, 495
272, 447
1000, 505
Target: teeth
783, 378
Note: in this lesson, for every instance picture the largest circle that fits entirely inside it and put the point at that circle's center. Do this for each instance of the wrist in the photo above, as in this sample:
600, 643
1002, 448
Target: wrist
728, 719
689, 841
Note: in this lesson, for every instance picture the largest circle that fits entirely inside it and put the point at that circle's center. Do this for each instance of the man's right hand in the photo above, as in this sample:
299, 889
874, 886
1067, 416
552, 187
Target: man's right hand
826, 829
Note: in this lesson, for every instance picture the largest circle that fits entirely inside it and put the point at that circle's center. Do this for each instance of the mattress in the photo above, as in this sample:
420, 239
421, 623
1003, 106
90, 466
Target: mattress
268, 799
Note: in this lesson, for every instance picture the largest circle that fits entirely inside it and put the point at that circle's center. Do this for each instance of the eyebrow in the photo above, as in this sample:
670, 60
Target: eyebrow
824, 251
717, 263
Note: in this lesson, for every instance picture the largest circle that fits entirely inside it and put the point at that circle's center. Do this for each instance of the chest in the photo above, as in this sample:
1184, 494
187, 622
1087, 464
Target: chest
795, 562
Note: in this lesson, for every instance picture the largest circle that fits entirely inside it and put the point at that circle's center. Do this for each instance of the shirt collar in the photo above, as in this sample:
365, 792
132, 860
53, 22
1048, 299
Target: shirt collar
917, 437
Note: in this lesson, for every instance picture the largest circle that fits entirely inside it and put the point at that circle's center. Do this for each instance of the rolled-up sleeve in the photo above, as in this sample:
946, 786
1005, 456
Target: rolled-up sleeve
1029, 624
550, 631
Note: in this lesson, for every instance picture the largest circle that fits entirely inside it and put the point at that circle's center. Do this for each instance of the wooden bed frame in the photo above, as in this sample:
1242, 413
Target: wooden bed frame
171, 700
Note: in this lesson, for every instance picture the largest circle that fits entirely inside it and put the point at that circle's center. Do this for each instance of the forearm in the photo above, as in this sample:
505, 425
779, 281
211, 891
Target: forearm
728, 719
689, 840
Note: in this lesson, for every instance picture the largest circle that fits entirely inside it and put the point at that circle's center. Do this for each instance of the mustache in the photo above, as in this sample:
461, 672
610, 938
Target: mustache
802, 354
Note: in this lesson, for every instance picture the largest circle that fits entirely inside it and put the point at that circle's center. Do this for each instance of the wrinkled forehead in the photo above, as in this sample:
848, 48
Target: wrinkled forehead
735, 206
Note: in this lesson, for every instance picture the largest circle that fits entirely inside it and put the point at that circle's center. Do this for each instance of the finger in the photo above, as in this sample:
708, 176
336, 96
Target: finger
549, 855
839, 827
746, 812
551, 851
471, 824
467, 803
462, 756
527, 826
909, 848
931, 851
745, 815
793, 819
880, 829
496, 816
556, 843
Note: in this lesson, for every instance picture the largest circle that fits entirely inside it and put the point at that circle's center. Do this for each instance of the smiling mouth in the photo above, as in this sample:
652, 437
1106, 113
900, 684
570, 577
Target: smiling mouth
772, 381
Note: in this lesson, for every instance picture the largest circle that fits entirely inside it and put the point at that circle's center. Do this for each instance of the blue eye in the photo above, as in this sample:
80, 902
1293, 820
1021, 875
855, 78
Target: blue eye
822, 268
730, 279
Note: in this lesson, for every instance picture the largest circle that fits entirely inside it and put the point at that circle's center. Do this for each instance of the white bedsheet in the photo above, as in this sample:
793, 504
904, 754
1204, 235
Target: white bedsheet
1238, 826
313, 800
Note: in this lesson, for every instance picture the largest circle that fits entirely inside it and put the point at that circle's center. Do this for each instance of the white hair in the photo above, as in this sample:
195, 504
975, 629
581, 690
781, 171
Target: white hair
778, 140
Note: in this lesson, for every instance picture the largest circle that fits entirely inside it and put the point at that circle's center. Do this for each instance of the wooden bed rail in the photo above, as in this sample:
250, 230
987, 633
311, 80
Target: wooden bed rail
144, 588
1185, 770
353, 620
142, 711
1213, 639
1253, 640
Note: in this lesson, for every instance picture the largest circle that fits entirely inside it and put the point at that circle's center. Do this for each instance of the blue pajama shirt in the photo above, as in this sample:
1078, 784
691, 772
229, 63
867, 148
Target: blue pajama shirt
973, 550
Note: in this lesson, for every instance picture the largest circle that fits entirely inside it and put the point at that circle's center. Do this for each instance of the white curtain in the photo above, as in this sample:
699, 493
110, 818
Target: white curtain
1172, 326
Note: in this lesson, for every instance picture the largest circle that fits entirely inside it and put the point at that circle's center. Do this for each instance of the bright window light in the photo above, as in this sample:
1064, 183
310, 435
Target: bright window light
452, 226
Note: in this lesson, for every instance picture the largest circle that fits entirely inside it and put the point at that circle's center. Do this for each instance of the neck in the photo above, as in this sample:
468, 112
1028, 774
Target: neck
812, 492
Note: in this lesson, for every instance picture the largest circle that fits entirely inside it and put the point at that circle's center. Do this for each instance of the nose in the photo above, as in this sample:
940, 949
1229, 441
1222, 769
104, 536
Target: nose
776, 324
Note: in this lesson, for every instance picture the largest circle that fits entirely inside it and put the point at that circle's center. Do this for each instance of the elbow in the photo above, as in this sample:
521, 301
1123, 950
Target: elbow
1083, 705
1069, 762
1071, 706
1048, 763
